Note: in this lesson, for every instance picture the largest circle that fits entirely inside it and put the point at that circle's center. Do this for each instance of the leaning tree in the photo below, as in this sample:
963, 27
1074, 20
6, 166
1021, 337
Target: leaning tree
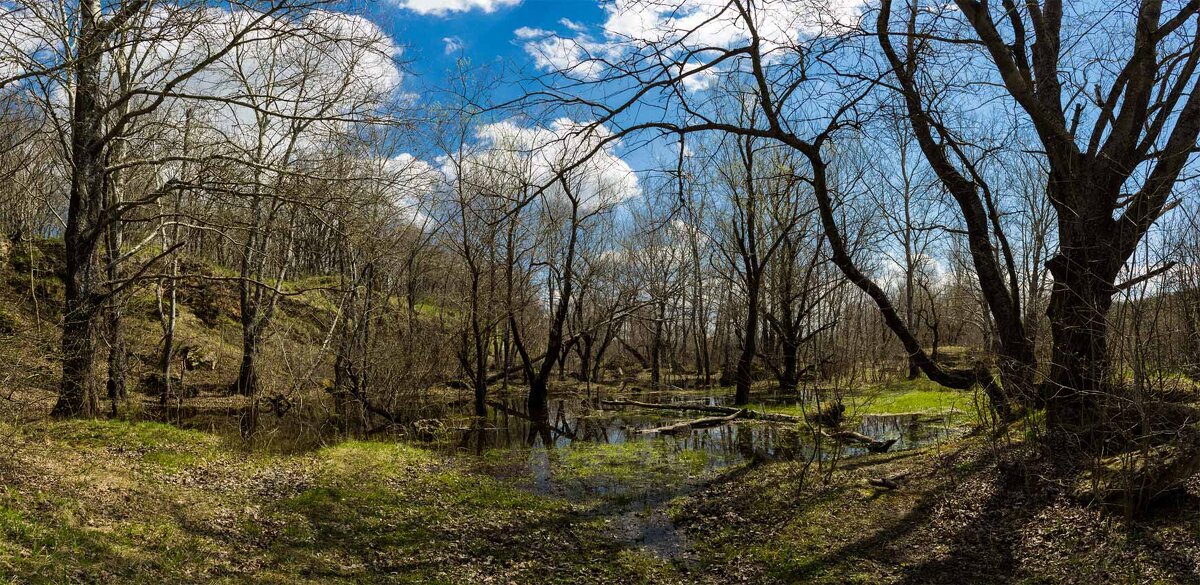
1106, 91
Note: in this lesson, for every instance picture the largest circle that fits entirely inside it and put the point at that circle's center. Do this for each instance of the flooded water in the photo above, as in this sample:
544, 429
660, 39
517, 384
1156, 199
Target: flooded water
596, 456
571, 421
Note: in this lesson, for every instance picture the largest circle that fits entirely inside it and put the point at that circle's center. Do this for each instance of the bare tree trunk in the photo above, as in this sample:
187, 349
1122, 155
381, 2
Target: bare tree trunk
656, 346
1080, 373
77, 394
114, 332
744, 377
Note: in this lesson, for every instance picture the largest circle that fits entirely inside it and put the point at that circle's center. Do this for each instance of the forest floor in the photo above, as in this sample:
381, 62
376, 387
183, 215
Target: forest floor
118, 501
139, 502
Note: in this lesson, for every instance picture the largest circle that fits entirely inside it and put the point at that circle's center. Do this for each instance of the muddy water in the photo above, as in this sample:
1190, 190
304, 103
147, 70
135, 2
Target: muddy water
595, 455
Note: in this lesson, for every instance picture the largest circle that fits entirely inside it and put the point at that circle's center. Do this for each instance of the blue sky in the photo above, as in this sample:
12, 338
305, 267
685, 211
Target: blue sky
488, 37
485, 37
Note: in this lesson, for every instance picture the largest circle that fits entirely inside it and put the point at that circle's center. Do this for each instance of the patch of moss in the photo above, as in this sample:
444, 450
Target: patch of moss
128, 502
891, 402
139, 435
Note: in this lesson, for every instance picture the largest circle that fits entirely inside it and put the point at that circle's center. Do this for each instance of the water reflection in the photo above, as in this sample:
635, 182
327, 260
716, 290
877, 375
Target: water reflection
567, 421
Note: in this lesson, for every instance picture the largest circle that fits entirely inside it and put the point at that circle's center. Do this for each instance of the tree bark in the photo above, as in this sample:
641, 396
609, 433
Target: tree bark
744, 377
83, 299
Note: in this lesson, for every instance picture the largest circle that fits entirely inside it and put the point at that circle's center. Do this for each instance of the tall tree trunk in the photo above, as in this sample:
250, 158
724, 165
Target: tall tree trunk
1080, 372
83, 299
744, 377
480, 381
114, 331
789, 376
247, 384
656, 348
247, 380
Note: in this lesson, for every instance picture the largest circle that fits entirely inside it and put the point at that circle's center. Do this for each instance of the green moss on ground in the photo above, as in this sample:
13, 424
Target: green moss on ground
120, 502
112, 501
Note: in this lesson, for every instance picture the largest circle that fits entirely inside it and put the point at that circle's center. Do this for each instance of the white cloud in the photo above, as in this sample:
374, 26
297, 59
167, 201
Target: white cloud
526, 32
322, 65
412, 183
341, 67
453, 45
534, 155
575, 26
445, 7
676, 27
698, 23
26, 37
578, 57
698, 80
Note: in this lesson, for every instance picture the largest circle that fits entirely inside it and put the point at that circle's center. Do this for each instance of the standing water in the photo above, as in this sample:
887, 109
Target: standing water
599, 458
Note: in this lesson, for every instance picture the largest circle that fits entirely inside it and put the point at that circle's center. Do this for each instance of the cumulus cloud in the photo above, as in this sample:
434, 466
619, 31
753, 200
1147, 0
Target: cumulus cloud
536, 155
446, 7
25, 37
339, 69
576, 56
453, 45
715, 23
679, 27
411, 182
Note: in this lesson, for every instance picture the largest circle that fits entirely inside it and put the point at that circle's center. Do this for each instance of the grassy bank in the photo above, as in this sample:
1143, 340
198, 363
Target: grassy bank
120, 502
117, 502
900, 396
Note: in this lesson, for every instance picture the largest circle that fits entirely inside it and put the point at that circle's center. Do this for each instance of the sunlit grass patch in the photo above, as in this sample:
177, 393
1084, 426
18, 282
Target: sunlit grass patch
892, 402
126, 502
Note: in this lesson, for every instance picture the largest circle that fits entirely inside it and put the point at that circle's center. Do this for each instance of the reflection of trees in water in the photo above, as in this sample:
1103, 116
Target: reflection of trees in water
539, 428
510, 424
478, 436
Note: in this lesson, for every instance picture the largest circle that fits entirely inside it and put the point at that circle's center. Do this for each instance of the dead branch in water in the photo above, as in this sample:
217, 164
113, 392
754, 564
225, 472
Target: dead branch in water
873, 445
747, 413
687, 425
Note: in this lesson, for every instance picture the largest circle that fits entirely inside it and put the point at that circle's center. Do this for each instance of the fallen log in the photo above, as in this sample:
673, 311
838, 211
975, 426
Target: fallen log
747, 413
887, 483
687, 425
872, 444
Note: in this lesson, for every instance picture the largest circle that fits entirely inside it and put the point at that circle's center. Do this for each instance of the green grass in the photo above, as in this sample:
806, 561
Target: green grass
919, 395
914, 401
115, 501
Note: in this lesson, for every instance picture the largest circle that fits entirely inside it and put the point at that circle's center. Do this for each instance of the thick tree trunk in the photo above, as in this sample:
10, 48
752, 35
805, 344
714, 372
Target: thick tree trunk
914, 370
1080, 371
77, 393
538, 395
247, 380
481, 394
247, 385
